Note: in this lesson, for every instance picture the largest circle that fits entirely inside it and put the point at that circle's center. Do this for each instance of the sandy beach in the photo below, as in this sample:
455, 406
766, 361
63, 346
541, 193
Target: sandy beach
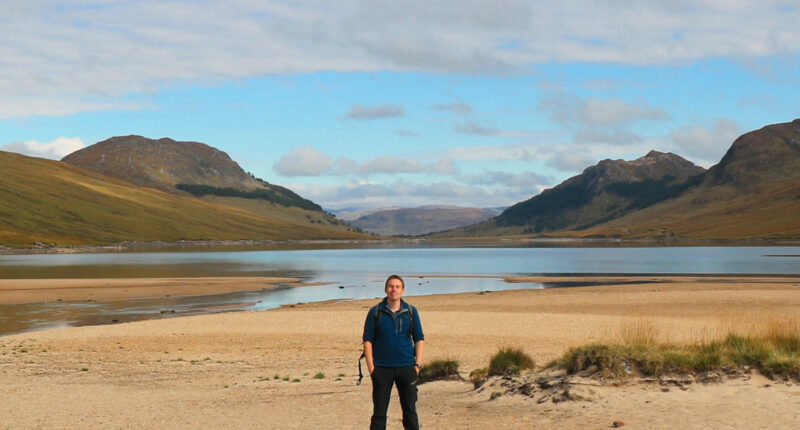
257, 369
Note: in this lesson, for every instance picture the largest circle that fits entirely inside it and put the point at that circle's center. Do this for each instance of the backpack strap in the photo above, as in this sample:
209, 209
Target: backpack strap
377, 313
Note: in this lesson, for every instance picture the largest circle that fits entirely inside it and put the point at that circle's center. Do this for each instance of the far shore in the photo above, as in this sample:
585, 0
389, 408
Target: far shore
232, 245
295, 367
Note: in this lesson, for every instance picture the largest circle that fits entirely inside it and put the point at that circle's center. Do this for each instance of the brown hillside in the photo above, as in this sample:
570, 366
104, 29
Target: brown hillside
56, 203
162, 163
754, 192
604, 191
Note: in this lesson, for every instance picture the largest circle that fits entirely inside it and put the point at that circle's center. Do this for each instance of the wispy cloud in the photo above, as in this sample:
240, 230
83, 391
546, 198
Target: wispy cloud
366, 113
475, 129
573, 111
363, 193
407, 133
458, 107
308, 161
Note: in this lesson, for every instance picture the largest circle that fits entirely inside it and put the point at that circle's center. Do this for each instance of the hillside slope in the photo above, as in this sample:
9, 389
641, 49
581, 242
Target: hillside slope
602, 192
177, 167
55, 203
753, 192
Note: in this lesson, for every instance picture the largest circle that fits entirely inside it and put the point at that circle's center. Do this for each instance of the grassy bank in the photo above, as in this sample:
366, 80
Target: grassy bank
772, 348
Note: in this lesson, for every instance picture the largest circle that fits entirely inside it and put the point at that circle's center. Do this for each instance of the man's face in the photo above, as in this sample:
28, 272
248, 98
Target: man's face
394, 289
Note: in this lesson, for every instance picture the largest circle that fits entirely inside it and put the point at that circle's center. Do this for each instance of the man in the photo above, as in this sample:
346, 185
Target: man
393, 347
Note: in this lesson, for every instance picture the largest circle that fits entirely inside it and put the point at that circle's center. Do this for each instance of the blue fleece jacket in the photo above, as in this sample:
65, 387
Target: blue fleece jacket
393, 336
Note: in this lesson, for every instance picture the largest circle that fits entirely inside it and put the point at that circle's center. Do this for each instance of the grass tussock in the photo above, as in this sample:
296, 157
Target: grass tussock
509, 361
773, 348
439, 370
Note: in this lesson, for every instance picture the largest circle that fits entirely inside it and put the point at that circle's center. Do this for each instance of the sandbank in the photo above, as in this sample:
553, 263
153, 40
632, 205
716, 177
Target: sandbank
237, 370
15, 291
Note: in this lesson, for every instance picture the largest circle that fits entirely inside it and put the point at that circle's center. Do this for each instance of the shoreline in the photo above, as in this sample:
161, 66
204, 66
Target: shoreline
32, 291
231, 245
45, 290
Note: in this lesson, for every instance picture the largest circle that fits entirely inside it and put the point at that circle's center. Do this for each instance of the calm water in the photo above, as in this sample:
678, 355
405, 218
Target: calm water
356, 274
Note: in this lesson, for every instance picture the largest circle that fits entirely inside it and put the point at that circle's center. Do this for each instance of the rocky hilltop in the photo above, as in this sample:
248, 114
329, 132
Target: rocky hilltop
759, 157
752, 193
162, 163
178, 167
602, 192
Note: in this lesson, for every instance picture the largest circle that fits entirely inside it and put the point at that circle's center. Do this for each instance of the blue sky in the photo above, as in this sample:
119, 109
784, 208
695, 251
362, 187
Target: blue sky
401, 103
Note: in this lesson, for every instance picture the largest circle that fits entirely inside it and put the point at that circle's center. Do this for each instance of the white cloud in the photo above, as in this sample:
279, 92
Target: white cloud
55, 150
409, 194
529, 180
62, 58
568, 161
303, 161
308, 161
706, 143
365, 113
391, 164
570, 110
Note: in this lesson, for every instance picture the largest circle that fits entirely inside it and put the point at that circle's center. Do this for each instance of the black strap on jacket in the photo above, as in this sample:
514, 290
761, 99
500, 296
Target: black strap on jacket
360, 375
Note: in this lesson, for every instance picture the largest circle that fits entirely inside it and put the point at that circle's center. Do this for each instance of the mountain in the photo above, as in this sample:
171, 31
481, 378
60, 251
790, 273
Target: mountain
420, 220
353, 213
752, 193
602, 192
176, 167
50, 202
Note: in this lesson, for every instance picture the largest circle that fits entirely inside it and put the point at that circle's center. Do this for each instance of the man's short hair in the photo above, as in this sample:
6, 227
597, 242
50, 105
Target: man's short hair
386, 284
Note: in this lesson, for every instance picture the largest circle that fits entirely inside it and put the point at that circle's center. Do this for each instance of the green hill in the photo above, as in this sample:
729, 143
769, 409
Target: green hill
52, 202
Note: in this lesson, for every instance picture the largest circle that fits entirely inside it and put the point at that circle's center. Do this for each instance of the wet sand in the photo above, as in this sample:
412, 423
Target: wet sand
15, 291
219, 371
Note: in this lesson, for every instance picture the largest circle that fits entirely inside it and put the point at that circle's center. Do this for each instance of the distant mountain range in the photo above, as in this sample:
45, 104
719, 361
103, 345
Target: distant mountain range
752, 193
126, 191
419, 220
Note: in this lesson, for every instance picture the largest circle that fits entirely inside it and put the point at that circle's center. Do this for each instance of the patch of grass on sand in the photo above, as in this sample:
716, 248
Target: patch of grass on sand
773, 349
509, 361
319, 375
439, 370
478, 376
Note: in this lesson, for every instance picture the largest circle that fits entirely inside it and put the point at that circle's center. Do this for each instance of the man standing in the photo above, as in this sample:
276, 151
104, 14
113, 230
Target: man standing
393, 347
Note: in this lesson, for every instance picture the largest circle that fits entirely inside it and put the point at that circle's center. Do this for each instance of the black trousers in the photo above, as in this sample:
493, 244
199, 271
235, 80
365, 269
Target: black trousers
405, 378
